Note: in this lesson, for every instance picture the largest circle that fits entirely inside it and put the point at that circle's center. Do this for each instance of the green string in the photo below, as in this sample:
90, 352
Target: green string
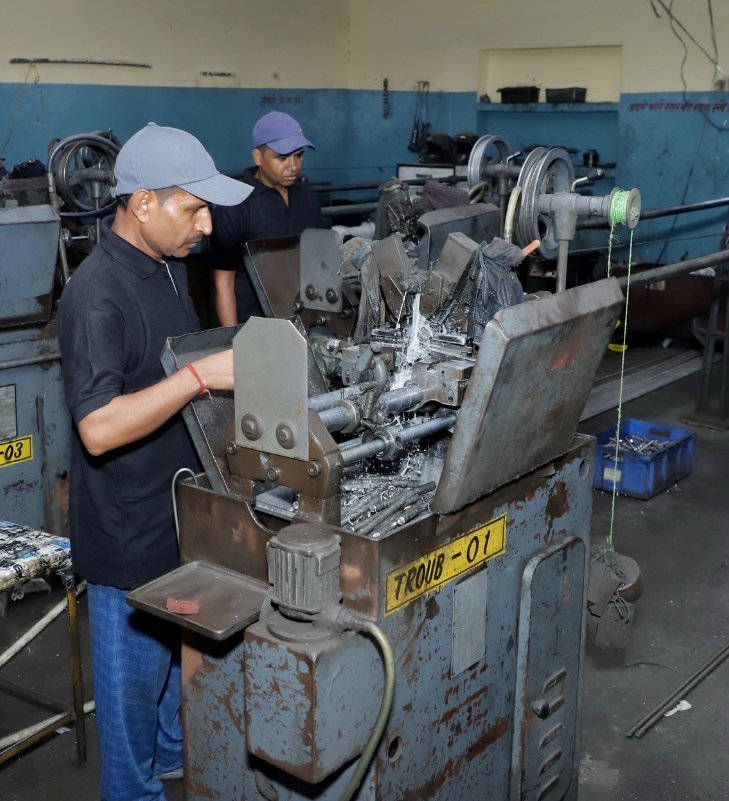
609, 540
619, 208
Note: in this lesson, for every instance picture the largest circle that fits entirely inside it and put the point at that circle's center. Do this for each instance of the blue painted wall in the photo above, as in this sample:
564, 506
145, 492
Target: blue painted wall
673, 147
354, 142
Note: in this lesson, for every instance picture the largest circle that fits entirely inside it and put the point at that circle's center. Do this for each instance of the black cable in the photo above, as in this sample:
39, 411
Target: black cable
713, 60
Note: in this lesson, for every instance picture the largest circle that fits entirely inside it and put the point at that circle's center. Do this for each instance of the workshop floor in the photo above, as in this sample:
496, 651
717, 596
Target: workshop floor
679, 538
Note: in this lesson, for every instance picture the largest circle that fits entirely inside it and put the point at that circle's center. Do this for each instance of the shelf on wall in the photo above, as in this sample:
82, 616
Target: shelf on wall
549, 108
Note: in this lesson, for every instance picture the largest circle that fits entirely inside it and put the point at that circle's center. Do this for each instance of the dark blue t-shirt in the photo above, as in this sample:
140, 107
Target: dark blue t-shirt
114, 317
264, 214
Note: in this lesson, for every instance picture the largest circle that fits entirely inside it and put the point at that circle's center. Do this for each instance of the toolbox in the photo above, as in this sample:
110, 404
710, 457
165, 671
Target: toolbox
519, 94
651, 457
571, 94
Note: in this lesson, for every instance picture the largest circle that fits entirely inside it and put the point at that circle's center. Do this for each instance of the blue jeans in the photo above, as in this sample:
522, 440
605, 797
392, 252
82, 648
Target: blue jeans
137, 686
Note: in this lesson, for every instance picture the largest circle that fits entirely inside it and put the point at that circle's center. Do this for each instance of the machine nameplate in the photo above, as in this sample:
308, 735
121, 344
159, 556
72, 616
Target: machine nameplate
16, 450
432, 571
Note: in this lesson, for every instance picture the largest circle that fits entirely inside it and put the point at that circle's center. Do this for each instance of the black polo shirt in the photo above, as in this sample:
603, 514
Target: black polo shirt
264, 214
114, 317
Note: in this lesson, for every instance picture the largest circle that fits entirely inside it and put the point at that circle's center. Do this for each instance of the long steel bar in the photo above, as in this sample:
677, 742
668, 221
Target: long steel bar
398, 503
54, 356
327, 399
652, 717
336, 418
666, 211
656, 274
416, 430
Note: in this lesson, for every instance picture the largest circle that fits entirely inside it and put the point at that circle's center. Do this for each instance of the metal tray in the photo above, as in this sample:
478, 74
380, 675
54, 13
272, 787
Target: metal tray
229, 601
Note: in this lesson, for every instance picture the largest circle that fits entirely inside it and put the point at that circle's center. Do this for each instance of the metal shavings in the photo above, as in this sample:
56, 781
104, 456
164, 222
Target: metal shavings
637, 444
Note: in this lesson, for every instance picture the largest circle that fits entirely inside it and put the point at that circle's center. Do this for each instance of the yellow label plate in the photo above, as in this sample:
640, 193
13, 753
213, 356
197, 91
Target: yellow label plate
16, 450
432, 571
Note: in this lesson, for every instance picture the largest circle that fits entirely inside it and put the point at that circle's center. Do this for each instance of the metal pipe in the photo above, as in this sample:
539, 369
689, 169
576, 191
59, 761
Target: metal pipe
407, 433
652, 717
670, 270
35, 630
563, 249
666, 211
55, 356
354, 208
24, 734
328, 399
363, 451
338, 417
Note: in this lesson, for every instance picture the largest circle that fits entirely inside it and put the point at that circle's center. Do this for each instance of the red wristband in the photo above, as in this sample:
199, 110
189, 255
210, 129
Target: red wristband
203, 389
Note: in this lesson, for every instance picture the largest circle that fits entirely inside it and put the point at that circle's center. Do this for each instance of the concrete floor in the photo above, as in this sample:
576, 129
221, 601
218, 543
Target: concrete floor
679, 539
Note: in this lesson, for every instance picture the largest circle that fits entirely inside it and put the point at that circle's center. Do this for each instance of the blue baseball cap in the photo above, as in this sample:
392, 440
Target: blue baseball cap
280, 132
157, 157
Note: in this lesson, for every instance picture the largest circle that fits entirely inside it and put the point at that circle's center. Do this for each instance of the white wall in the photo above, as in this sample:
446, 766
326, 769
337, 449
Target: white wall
269, 43
411, 40
347, 43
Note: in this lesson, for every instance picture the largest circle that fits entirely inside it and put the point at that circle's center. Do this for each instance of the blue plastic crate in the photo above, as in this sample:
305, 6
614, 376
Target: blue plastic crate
644, 475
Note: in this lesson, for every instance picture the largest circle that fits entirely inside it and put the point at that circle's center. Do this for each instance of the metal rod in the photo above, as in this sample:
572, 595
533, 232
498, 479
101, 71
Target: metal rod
652, 717
328, 399
91, 61
407, 433
402, 516
671, 270
54, 356
76, 677
398, 503
35, 630
666, 211
363, 451
29, 731
335, 418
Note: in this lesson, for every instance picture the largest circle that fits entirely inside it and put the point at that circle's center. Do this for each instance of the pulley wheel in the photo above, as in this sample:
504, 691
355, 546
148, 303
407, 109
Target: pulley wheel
487, 150
84, 170
545, 171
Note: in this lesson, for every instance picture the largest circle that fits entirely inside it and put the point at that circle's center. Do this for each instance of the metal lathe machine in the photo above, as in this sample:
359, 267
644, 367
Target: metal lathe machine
382, 581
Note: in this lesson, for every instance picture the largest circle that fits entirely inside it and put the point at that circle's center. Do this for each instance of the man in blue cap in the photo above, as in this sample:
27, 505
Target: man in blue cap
280, 205
129, 439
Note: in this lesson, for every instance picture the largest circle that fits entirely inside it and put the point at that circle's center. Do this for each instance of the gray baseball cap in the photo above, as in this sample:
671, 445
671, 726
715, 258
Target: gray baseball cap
157, 157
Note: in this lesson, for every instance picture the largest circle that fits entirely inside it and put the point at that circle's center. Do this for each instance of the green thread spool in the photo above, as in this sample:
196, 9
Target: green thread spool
624, 207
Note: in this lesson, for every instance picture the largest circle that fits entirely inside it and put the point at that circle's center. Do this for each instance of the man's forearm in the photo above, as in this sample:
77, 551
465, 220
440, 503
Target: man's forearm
129, 418
225, 303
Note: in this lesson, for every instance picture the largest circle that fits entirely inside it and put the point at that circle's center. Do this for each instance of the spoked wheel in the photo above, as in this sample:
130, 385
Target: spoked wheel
487, 150
545, 171
84, 166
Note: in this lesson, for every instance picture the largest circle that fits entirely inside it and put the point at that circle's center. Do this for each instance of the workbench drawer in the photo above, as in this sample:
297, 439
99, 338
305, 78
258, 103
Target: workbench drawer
662, 456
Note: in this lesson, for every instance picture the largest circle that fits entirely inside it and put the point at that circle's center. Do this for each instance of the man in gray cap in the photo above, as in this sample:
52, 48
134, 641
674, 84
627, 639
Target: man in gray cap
281, 205
129, 441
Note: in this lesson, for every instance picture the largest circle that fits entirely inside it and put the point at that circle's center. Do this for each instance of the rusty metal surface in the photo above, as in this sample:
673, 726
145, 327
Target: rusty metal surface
312, 713
548, 682
533, 374
228, 601
32, 404
447, 737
